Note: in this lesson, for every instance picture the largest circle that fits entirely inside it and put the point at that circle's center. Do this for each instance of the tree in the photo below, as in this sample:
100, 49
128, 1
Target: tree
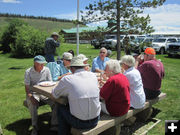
8, 37
125, 12
94, 34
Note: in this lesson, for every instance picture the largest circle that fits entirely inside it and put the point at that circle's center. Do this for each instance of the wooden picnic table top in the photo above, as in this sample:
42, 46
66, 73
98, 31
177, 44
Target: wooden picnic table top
46, 91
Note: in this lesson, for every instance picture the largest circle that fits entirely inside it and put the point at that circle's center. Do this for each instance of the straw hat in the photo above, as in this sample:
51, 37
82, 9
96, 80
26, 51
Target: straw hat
83, 57
77, 62
67, 56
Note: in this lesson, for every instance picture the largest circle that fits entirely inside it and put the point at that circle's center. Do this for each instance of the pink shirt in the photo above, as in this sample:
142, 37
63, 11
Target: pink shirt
152, 73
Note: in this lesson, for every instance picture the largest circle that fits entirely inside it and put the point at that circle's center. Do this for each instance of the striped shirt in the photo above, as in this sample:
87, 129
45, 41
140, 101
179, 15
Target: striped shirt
32, 77
55, 70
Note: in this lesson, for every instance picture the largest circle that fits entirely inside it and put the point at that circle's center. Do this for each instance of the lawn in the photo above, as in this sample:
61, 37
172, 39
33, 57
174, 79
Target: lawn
15, 118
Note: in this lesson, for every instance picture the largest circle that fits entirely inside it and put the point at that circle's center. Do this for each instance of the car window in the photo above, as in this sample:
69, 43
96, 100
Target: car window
171, 40
161, 40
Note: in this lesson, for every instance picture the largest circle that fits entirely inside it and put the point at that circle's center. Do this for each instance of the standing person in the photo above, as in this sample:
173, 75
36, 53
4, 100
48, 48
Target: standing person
137, 95
115, 91
34, 75
152, 72
81, 89
99, 63
50, 47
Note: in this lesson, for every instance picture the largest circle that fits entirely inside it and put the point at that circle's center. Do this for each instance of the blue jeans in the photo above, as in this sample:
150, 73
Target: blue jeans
66, 121
50, 57
151, 94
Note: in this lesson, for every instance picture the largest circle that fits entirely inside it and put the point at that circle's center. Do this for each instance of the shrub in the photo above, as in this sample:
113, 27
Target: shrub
8, 36
29, 42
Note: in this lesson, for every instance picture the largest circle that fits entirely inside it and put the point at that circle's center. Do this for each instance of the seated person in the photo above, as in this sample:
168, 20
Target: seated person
60, 68
99, 63
34, 75
85, 61
109, 52
137, 95
152, 73
115, 91
81, 89
54, 69
64, 65
72, 52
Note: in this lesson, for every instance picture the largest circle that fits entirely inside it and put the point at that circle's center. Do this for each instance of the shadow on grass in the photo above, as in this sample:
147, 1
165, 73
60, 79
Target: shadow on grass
173, 57
130, 130
16, 68
23, 127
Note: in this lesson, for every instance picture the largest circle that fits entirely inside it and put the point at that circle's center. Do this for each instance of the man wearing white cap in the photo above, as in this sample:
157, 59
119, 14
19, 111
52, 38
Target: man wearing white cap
34, 75
81, 89
60, 68
50, 47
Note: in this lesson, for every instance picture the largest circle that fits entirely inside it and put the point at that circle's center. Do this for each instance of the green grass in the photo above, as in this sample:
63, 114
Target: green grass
45, 25
15, 118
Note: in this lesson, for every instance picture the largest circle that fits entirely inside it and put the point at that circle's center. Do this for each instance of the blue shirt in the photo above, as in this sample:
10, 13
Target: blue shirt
99, 64
63, 69
54, 69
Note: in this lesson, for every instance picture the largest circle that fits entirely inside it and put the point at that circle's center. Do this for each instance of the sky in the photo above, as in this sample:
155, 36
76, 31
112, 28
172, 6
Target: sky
165, 18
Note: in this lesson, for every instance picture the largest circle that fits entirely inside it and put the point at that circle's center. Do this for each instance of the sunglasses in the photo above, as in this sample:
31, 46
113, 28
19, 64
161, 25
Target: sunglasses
103, 52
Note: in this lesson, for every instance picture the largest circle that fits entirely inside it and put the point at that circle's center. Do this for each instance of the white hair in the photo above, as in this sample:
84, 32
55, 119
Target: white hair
114, 66
103, 49
128, 60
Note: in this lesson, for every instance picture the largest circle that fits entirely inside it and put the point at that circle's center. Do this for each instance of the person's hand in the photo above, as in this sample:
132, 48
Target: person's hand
33, 100
139, 58
60, 77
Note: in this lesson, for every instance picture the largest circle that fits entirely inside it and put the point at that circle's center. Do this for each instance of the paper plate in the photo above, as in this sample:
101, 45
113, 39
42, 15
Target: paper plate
47, 83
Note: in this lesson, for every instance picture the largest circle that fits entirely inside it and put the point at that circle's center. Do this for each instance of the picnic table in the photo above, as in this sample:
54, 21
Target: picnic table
113, 124
46, 91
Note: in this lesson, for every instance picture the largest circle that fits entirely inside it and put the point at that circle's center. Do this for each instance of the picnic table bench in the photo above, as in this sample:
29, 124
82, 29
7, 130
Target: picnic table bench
106, 123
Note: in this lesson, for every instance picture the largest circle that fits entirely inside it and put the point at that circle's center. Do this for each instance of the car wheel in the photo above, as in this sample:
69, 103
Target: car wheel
162, 51
96, 47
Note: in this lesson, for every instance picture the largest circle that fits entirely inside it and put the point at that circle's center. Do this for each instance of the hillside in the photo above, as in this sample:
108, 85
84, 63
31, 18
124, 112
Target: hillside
45, 25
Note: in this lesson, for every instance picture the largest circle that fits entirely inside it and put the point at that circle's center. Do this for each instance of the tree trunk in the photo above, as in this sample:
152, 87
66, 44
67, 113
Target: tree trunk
118, 30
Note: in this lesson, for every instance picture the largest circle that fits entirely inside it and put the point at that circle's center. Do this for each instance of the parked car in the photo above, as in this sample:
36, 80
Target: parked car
173, 49
110, 41
139, 43
96, 43
160, 44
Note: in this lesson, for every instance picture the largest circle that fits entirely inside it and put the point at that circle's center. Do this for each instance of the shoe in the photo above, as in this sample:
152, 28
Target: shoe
34, 131
54, 128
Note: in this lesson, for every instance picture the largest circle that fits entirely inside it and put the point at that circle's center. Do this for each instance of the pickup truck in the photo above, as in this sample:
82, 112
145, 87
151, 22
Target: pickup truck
173, 49
161, 44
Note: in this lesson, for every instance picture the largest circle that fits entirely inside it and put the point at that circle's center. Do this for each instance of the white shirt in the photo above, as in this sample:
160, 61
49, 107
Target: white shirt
82, 91
137, 95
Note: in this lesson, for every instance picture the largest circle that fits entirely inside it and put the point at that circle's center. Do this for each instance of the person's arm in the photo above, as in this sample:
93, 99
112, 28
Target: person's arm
27, 81
60, 89
56, 43
138, 59
95, 67
105, 91
49, 77
60, 77
30, 96
99, 70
